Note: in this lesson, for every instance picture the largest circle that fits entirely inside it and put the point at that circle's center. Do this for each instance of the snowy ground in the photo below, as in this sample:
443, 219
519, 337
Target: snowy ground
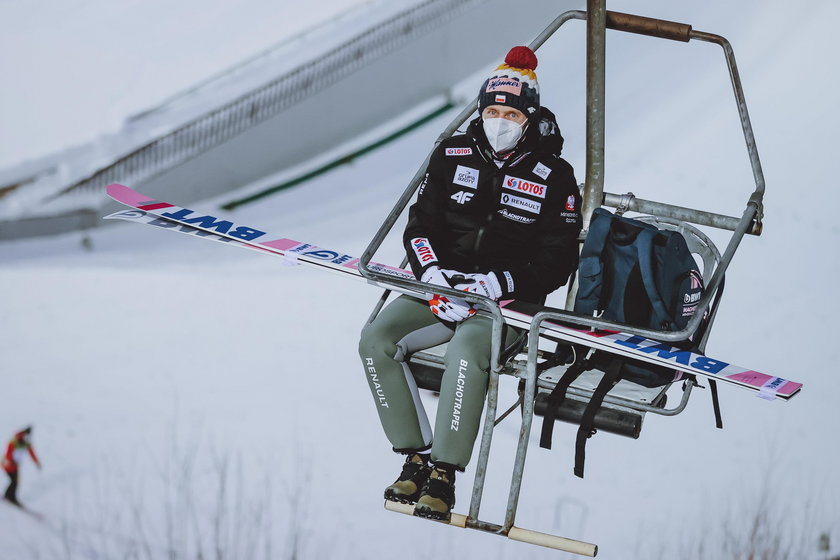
154, 366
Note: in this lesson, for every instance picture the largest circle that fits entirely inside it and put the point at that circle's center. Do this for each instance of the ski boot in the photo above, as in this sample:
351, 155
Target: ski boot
406, 489
438, 495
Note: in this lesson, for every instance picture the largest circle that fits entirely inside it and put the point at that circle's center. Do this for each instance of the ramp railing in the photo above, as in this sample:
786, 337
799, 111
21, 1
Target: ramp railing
250, 109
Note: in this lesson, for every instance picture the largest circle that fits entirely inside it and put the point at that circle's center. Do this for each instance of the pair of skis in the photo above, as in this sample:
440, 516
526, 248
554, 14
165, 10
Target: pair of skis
209, 226
24, 509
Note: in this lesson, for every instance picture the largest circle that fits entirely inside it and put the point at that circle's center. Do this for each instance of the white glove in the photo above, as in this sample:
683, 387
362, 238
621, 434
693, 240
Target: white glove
445, 307
454, 310
439, 277
481, 284
435, 275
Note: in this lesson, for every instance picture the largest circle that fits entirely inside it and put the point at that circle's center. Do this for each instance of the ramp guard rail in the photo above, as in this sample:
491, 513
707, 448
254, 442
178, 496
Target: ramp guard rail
261, 104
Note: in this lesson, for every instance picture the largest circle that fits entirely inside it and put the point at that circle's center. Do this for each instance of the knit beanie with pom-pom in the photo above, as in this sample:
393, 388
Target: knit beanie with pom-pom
513, 84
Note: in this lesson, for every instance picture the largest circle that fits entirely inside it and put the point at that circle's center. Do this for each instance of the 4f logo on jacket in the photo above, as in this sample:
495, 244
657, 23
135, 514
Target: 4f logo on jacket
462, 197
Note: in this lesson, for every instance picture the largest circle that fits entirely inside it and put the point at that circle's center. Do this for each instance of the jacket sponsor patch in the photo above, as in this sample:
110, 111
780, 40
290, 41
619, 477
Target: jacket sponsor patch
570, 202
573, 215
458, 151
423, 250
462, 197
516, 217
542, 170
524, 203
509, 279
466, 176
423, 185
523, 186
506, 85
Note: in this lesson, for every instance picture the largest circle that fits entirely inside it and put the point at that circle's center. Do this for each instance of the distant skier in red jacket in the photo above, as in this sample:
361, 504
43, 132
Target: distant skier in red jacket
18, 446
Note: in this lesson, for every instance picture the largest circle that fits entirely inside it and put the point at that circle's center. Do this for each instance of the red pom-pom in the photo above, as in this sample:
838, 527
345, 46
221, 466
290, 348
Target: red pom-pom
521, 57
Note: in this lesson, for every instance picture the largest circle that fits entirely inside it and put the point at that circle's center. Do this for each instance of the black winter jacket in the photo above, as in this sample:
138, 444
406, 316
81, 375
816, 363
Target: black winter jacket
520, 221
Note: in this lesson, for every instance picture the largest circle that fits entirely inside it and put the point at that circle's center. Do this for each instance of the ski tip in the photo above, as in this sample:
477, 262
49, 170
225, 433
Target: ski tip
120, 193
126, 195
116, 188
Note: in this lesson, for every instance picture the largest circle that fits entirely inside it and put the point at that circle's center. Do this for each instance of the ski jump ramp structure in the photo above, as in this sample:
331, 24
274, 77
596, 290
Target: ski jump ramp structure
234, 129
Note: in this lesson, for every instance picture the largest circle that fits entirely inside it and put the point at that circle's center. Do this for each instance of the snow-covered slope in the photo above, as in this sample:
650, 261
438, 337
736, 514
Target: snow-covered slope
154, 365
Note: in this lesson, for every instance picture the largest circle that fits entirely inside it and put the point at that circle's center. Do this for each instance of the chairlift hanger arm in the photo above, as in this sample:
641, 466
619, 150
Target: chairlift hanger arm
663, 29
630, 202
652, 27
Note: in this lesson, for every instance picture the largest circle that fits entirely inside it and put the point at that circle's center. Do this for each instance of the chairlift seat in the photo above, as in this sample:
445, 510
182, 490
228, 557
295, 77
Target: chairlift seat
622, 411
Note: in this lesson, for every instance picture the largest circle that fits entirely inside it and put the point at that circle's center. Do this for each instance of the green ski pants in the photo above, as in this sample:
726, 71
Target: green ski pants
405, 326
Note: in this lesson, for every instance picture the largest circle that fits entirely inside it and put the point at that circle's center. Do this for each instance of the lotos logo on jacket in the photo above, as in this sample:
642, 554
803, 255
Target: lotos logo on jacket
459, 151
523, 186
423, 250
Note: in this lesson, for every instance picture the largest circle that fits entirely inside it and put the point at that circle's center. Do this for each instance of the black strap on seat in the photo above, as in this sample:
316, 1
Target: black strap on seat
586, 431
716, 403
555, 399
698, 335
515, 347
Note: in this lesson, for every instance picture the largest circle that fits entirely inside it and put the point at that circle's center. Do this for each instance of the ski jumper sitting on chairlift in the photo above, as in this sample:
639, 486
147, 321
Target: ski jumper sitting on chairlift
496, 215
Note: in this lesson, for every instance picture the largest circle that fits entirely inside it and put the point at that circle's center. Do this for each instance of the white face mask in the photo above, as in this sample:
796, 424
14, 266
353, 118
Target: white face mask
503, 134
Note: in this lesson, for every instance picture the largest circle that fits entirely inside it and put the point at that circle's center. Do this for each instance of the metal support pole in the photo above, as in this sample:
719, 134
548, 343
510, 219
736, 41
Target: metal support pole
746, 125
630, 202
528, 401
596, 33
497, 342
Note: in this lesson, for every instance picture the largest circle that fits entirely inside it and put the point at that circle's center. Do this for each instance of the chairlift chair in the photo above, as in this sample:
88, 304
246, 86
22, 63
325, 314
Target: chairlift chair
625, 406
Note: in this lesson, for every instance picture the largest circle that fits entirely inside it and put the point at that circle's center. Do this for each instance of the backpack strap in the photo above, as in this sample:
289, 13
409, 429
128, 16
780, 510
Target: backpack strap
556, 398
716, 404
586, 431
590, 268
644, 246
